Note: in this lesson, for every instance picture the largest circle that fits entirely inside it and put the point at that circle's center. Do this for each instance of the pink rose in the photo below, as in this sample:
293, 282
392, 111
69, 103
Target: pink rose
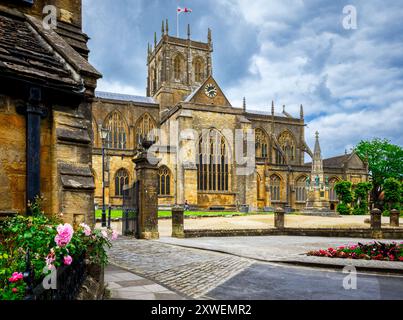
104, 234
86, 229
15, 290
64, 235
114, 235
16, 277
68, 260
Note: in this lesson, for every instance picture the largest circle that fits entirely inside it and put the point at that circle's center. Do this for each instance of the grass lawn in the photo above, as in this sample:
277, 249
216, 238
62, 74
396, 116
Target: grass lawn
167, 214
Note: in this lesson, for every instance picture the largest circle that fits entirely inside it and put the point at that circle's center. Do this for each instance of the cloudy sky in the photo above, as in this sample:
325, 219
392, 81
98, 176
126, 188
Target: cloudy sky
291, 51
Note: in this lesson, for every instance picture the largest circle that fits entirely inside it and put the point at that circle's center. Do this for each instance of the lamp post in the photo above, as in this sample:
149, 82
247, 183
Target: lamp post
104, 136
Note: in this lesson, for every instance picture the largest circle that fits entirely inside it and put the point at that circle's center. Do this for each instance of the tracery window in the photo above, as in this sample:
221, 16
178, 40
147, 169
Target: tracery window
213, 165
117, 135
262, 144
177, 67
287, 143
275, 187
144, 127
198, 67
164, 181
300, 189
121, 180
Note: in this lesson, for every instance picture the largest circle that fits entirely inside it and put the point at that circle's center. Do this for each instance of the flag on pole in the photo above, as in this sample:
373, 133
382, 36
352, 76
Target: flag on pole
178, 13
184, 10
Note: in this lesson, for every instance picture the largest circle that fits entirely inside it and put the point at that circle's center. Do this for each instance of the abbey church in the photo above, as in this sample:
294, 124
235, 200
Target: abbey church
185, 103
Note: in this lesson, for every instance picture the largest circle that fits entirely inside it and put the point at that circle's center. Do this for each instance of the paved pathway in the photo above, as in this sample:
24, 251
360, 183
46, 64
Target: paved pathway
189, 271
269, 282
125, 285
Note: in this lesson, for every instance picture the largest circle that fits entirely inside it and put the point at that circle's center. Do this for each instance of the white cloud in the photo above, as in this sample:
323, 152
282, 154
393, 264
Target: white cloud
119, 87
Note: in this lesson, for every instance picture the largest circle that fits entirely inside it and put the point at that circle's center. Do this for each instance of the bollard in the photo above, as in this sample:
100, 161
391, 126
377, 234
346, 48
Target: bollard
376, 219
178, 218
376, 223
394, 218
279, 218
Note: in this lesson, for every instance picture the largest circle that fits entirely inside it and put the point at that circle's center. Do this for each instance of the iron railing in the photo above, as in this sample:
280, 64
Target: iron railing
130, 210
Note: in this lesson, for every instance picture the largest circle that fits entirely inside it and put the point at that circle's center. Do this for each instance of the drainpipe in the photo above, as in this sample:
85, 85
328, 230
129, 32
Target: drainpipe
34, 114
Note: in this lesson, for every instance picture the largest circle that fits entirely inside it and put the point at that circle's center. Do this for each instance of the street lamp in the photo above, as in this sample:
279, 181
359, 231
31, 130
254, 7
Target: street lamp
104, 136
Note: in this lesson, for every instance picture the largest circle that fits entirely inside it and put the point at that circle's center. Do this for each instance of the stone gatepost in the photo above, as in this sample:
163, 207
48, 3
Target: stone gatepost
279, 218
394, 218
147, 175
178, 218
376, 223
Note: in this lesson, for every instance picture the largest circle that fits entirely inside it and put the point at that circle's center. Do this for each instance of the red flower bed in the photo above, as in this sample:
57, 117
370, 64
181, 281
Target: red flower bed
370, 251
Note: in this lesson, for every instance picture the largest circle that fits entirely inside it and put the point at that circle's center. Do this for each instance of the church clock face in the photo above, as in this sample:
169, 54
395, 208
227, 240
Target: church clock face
210, 90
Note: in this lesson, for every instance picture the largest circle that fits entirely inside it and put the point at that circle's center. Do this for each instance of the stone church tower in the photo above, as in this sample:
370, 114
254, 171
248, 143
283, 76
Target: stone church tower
177, 67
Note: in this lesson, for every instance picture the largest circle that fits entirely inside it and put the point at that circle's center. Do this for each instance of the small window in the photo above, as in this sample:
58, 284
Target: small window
121, 180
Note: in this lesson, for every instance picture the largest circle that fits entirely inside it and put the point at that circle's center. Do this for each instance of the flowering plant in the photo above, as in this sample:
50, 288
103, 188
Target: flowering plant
370, 251
50, 243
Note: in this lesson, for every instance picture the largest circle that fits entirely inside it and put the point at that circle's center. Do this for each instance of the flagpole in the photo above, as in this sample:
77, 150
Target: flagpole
177, 23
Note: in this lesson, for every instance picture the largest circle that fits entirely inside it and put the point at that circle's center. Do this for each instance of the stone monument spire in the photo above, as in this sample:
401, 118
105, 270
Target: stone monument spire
317, 186
317, 163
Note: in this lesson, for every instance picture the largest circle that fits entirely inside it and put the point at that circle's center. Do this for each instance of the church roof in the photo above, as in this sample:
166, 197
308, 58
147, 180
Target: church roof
264, 113
124, 97
335, 162
30, 52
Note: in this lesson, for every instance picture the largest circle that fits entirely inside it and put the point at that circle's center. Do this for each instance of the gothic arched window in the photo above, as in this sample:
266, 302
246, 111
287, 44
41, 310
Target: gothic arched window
177, 67
300, 189
262, 144
287, 143
121, 180
213, 166
144, 128
198, 69
164, 181
117, 135
332, 191
275, 187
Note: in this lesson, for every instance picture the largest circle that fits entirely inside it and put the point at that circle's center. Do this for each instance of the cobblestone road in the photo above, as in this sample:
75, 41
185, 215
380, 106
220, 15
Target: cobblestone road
188, 271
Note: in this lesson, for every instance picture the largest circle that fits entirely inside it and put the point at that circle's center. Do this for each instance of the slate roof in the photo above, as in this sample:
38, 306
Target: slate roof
264, 113
29, 52
124, 97
335, 162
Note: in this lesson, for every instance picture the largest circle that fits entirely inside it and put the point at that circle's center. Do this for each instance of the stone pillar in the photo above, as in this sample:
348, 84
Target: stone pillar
178, 218
279, 218
394, 218
376, 223
147, 175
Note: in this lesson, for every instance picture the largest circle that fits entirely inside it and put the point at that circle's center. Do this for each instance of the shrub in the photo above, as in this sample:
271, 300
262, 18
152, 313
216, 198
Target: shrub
49, 243
343, 209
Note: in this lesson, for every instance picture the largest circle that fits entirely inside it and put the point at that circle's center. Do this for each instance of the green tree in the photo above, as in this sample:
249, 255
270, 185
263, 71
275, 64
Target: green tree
345, 195
361, 194
393, 193
385, 160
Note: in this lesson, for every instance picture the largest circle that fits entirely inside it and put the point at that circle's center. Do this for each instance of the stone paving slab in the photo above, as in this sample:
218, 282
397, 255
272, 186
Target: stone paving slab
188, 271
124, 285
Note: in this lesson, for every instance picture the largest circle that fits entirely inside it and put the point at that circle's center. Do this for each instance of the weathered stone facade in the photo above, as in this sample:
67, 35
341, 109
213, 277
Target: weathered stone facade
187, 103
45, 78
